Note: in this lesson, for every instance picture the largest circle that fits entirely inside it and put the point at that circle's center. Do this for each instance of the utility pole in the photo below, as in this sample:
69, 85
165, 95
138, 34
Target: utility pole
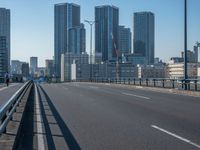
185, 44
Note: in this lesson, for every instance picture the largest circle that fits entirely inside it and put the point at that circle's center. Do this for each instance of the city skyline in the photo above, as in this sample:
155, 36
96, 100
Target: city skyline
43, 40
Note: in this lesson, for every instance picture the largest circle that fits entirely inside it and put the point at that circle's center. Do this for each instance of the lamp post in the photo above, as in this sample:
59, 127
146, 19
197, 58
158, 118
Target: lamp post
91, 53
91, 24
185, 44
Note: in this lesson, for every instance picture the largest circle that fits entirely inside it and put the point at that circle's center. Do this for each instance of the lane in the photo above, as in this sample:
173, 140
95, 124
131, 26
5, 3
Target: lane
7, 92
100, 118
183, 110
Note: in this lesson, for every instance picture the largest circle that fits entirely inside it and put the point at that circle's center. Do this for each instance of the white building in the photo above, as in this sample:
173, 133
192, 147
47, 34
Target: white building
176, 70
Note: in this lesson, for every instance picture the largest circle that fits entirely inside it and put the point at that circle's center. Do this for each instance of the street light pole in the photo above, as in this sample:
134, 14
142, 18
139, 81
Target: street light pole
185, 44
91, 24
91, 53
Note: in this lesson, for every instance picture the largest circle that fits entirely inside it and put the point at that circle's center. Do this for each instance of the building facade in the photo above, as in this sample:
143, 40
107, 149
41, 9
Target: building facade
49, 67
25, 70
5, 33
106, 32
124, 40
144, 35
67, 60
16, 67
3, 56
104, 71
197, 52
191, 58
33, 65
66, 16
151, 71
176, 70
77, 40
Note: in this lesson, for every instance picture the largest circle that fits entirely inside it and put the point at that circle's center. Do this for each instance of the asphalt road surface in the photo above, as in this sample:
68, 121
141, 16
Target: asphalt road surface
7, 92
105, 117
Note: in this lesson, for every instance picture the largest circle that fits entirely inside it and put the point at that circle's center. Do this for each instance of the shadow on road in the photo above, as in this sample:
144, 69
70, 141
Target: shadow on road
66, 133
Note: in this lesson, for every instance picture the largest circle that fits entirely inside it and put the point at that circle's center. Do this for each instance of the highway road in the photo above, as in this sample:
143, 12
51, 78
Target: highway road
108, 117
7, 92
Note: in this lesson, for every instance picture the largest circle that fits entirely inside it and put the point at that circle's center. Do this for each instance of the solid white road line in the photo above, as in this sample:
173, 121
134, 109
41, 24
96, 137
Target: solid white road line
41, 145
138, 96
176, 136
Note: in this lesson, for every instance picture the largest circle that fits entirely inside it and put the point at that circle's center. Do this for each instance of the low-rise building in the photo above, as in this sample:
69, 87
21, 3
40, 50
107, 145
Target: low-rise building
66, 63
151, 71
176, 70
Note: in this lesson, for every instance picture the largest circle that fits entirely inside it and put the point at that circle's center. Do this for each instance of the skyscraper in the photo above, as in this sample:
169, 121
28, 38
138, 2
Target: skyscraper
33, 65
124, 40
3, 56
5, 32
106, 31
144, 35
66, 16
197, 52
77, 39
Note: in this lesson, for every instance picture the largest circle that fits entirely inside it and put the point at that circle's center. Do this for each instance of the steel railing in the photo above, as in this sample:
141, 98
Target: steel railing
192, 84
7, 110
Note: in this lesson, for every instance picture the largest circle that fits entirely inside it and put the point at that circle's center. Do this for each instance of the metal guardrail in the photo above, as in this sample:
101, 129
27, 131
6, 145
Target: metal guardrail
192, 84
9, 107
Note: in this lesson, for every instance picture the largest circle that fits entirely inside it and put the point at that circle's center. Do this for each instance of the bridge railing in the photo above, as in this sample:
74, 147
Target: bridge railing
191, 84
7, 110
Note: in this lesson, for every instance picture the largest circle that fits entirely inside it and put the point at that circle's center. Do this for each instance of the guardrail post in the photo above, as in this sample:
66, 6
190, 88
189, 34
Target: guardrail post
182, 83
163, 83
195, 86
188, 85
146, 82
173, 84
140, 81
134, 81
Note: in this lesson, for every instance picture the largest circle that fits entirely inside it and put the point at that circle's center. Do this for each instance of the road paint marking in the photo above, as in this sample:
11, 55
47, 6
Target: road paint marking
65, 88
176, 136
3, 88
40, 137
107, 84
93, 87
138, 87
129, 94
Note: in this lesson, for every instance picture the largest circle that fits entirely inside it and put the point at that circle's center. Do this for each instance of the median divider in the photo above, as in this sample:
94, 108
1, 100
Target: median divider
11, 115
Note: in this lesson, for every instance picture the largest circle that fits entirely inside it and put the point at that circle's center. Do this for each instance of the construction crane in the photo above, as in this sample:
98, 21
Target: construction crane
117, 53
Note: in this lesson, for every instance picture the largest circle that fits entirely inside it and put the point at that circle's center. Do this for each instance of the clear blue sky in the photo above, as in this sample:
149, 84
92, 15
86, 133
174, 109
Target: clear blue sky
32, 24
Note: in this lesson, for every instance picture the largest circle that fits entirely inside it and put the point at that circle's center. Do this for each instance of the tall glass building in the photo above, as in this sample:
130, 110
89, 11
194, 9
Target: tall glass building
106, 31
3, 56
5, 33
66, 16
144, 35
77, 40
33, 65
124, 40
